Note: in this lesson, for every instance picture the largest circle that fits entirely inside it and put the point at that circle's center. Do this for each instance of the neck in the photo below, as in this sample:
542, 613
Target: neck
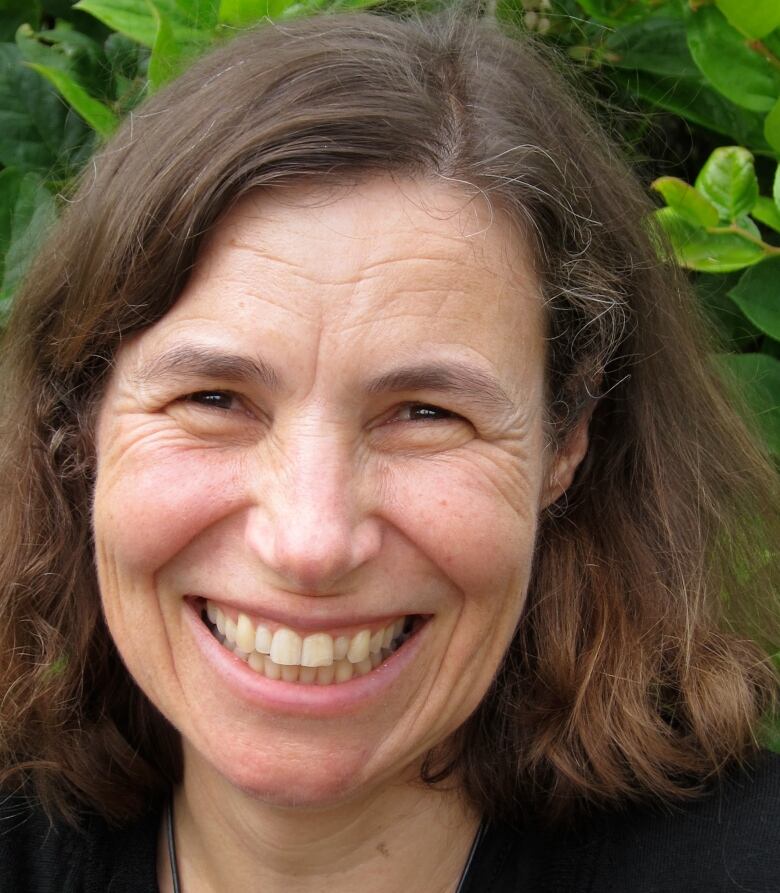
401, 836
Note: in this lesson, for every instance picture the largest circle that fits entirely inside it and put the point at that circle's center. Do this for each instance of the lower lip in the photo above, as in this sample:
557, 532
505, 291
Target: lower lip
295, 697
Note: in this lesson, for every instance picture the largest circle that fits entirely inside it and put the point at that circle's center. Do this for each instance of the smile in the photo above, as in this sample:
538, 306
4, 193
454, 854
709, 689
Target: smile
318, 658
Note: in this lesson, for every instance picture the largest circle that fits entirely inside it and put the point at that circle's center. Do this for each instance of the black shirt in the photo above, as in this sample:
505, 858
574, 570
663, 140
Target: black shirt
726, 841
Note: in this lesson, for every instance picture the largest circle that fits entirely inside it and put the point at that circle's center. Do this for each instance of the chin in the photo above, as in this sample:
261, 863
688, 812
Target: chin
309, 780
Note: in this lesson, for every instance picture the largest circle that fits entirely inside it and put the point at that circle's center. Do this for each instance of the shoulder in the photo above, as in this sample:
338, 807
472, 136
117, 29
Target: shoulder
41, 856
726, 841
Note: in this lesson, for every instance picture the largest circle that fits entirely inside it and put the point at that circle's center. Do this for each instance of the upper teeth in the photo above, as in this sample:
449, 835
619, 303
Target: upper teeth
287, 648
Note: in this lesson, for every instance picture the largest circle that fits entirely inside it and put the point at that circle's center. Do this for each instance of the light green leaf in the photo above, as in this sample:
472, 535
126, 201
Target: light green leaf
26, 212
201, 14
776, 187
756, 18
98, 116
697, 249
767, 212
772, 127
241, 13
758, 378
136, 20
166, 52
729, 64
687, 201
728, 180
757, 294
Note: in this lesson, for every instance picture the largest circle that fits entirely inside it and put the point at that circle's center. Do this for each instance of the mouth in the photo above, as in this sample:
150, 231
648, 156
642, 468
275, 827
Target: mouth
315, 658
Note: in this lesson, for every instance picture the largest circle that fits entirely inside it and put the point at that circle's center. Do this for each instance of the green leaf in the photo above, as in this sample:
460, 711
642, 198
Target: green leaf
687, 201
772, 127
658, 45
137, 21
758, 377
758, 296
693, 101
736, 331
729, 64
613, 12
776, 188
17, 12
98, 116
756, 18
37, 130
241, 13
767, 212
203, 15
697, 249
166, 51
26, 212
728, 180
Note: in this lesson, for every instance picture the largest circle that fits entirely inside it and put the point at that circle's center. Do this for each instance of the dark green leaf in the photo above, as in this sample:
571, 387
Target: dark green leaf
614, 12
758, 377
693, 101
97, 115
729, 64
757, 18
772, 127
687, 201
17, 12
767, 212
734, 329
25, 220
758, 296
658, 45
697, 249
728, 180
37, 130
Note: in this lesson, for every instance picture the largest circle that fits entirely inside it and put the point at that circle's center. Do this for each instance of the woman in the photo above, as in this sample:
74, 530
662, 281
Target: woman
376, 521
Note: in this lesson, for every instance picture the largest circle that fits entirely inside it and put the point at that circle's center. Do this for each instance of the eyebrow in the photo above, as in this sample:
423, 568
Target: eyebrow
450, 377
188, 361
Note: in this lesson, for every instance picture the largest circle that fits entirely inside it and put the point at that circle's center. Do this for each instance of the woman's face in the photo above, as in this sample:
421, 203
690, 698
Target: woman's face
339, 427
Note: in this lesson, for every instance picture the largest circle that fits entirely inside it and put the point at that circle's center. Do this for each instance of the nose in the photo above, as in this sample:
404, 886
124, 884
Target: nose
309, 524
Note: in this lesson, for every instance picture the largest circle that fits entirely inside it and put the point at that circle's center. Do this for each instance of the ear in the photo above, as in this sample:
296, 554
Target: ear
565, 462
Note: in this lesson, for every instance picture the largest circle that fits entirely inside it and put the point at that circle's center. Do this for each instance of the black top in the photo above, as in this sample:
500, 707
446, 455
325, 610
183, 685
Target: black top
727, 841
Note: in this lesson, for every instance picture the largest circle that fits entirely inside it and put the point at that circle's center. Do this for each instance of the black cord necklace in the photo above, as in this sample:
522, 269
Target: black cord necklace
461, 888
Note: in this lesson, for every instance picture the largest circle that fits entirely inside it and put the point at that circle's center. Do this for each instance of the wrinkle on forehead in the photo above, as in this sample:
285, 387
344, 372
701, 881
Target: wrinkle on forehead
419, 207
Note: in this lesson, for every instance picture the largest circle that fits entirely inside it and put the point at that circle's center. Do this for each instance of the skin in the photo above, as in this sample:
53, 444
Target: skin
325, 497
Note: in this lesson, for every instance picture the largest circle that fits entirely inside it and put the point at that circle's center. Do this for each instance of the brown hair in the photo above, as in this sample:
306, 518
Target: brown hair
635, 669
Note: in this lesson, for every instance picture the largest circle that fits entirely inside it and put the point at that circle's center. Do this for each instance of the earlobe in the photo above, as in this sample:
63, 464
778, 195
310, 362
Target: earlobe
567, 459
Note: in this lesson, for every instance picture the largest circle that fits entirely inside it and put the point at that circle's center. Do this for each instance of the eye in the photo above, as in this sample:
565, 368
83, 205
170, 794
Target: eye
425, 412
217, 399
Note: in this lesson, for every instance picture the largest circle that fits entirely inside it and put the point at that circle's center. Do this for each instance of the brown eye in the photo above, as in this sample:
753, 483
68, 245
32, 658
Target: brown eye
217, 399
424, 412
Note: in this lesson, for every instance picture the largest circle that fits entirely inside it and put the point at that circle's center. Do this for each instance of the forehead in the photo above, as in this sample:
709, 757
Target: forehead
386, 265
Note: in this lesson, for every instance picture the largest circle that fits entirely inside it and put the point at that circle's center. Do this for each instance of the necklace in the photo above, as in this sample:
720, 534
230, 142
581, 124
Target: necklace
461, 888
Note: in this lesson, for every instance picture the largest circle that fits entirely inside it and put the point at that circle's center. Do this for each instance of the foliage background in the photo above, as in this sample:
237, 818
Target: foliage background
698, 83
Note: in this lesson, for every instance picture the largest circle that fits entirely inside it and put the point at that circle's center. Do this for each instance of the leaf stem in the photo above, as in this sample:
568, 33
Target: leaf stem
733, 230
762, 49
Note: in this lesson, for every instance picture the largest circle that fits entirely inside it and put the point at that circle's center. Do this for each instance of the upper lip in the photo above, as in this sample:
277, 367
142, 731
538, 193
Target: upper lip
307, 617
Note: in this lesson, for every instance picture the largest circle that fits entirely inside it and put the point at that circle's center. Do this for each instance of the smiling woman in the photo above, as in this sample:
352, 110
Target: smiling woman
374, 518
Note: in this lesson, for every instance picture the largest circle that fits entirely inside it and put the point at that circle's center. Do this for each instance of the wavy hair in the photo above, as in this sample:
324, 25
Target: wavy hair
639, 667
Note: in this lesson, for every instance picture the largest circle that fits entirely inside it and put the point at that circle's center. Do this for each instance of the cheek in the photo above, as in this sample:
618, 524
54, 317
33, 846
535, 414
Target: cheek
482, 542
148, 510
